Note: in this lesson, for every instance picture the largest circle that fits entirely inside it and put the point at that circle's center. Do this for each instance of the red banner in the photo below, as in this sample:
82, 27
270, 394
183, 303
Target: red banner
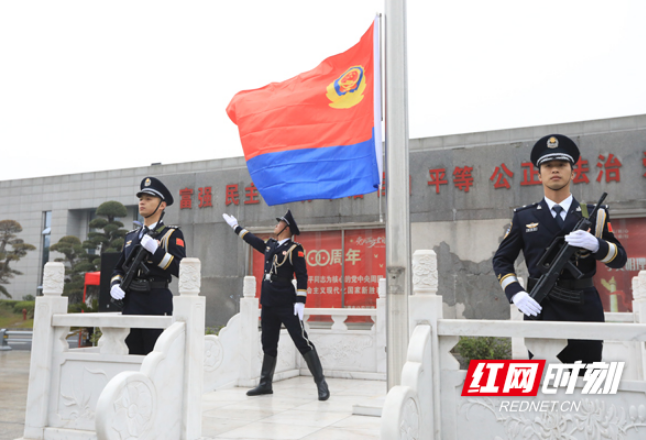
340, 275
615, 285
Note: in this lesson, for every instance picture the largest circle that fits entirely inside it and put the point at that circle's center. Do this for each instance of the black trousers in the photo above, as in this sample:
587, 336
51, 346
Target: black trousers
156, 302
271, 319
142, 340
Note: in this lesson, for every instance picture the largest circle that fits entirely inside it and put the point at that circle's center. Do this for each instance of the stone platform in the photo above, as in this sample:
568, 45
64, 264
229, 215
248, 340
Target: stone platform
292, 412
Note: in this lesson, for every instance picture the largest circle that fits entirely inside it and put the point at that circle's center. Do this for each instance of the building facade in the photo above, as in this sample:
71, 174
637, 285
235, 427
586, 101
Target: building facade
463, 189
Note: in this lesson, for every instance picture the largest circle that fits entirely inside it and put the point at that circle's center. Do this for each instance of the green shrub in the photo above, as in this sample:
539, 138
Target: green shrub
8, 304
481, 348
29, 305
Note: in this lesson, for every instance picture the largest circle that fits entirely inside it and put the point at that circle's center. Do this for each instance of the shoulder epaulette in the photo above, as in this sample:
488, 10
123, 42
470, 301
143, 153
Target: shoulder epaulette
134, 230
524, 207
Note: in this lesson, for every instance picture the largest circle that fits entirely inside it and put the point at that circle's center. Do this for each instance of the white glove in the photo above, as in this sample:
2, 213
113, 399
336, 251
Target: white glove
149, 243
526, 304
299, 309
583, 239
231, 220
117, 292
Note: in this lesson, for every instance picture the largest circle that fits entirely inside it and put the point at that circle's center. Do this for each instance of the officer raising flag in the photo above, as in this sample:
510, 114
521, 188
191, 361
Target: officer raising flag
534, 227
281, 303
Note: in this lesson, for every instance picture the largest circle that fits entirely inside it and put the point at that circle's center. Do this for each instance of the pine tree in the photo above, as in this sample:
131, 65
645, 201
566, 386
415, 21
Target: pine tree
11, 249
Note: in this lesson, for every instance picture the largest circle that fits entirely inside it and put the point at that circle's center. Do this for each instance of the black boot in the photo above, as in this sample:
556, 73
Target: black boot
314, 364
266, 377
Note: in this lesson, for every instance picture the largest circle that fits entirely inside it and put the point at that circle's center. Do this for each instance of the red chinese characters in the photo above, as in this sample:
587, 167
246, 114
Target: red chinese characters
204, 196
186, 201
530, 174
499, 175
579, 171
462, 178
438, 177
644, 162
251, 195
610, 167
231, 195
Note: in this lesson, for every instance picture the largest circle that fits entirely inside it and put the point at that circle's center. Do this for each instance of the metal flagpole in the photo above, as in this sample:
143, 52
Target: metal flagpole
398, 271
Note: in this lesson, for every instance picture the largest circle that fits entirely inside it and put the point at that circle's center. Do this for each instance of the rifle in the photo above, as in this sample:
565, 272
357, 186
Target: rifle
552, 268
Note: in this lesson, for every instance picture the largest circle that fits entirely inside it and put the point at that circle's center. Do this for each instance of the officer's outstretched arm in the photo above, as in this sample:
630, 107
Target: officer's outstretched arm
610, 251
255, 242
300, 269
505, 257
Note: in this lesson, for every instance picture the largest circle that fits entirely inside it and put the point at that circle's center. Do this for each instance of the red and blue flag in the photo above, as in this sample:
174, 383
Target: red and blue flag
317, 135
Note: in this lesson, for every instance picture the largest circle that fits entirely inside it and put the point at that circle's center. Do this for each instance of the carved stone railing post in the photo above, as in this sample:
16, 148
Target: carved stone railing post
250, 343
190, 308
425, 308
639, 312
424, 273
46, 340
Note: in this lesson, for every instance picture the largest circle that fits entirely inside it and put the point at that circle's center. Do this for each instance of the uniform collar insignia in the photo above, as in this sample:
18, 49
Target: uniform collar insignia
539, 206
578, 209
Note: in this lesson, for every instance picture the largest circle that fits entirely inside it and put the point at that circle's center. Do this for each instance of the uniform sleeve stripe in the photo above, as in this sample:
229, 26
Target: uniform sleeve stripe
612, 253
243, 233
507, 280
115, 278
165, 262
301, 292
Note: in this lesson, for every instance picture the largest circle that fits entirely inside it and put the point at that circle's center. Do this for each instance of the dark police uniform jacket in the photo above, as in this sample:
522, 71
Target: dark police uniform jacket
282, 262
532, 230
162, 264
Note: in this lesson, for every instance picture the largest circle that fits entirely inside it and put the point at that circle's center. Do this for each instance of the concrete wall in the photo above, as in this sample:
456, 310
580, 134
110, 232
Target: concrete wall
464, 228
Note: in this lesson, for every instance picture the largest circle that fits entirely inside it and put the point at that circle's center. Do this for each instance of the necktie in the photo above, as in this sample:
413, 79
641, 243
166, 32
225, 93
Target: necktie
558, 218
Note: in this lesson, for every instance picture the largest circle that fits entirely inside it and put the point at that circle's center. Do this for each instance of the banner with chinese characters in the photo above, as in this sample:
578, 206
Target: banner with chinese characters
343, 267
615, 285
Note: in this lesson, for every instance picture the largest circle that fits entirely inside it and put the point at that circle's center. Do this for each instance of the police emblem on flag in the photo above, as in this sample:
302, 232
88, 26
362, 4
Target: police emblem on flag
347, 90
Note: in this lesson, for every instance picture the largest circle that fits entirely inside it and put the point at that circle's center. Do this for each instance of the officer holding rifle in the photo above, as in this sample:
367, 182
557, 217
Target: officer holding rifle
535, 226
150, 255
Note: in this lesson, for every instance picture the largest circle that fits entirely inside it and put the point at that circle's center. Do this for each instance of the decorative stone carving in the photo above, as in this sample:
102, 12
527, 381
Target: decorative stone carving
213, 353
134, 410
53, 279
249, 287
189, 277
424, 272
596, 420
79, 392
409, 426
113, 340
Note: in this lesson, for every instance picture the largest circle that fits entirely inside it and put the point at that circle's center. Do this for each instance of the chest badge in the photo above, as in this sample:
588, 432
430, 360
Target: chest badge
268, 248
128, 243
531, 227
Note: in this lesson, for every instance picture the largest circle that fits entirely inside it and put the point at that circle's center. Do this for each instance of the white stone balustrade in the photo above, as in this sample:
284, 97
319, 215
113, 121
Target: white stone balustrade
103, 393
234, 356
430, 362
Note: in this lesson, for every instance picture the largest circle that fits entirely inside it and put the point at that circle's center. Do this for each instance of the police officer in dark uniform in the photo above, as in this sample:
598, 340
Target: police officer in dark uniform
535, 226
148, 294
284, 258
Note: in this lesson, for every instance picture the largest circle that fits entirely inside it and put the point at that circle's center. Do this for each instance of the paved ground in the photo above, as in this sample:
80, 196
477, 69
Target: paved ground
14, 376
291, 413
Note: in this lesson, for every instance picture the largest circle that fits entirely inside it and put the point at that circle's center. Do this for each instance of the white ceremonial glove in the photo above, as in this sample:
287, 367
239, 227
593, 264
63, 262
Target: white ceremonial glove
231, 220
526, 304
583, 239
117, 292
149, 243
299, 309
